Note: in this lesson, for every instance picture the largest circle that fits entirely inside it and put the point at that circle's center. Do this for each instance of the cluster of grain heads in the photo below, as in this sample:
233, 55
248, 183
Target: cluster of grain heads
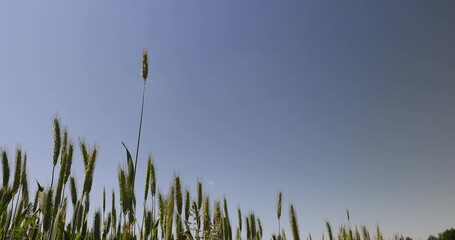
65, 170
14, 199
200, 221
81, 204
195, 211
50, 205
179, 215
253, 227
126, 179
148, 216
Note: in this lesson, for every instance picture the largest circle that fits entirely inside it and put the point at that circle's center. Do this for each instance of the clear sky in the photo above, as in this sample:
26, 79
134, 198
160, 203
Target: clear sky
339, 104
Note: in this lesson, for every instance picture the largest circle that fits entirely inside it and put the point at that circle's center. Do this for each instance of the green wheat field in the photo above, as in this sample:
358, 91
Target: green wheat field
61, 210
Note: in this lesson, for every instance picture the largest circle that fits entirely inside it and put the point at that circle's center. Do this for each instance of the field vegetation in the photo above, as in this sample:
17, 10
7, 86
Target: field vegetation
61, 210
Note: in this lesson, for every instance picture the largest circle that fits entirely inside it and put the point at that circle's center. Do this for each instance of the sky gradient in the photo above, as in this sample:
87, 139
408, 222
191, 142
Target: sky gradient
337, 104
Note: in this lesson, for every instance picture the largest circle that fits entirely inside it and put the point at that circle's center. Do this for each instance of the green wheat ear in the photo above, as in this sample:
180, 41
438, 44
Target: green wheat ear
97, 226
89, 169
253, 225
226, 221
217, 217
329, 230
178, 195
24, 181
247, 226
293, 222
147, 177
260, 228
187, 205
199, 194
278, 212
152, 177
57, 141
122, 189
278, 207
113, 211
69, 158
17, 171
145, 65
206, 217
239, 214
170, 214
73, 191
5, 168
48, 206
104, 200
161, 210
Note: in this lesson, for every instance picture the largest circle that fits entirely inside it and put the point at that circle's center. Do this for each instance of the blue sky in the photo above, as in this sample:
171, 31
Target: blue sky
337, 104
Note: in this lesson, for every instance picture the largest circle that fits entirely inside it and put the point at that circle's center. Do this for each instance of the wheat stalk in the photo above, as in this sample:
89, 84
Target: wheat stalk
144, 73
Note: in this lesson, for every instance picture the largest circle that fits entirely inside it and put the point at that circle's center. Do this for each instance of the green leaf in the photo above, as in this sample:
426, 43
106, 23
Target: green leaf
155, 228
56, 225
6, 198
40, 188
129, 159
78, 236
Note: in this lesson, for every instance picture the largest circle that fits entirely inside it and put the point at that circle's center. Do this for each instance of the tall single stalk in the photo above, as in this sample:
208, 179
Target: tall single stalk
140, 128
144, 73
